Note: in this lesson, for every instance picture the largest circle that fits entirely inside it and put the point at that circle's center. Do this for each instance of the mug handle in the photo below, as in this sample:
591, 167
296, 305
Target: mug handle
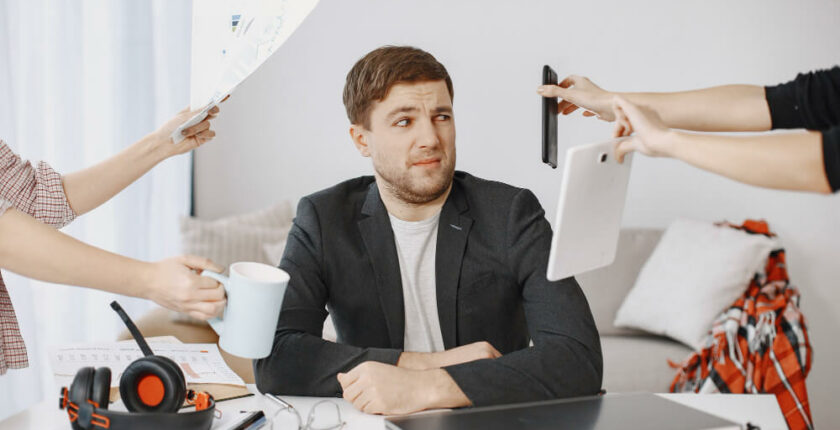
218, 323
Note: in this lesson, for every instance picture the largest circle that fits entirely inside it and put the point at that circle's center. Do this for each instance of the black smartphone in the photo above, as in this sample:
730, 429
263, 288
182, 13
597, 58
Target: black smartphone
549, 120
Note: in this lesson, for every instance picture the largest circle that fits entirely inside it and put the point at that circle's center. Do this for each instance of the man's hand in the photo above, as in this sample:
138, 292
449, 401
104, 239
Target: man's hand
579, 92
652, 137
378, 388
436, 360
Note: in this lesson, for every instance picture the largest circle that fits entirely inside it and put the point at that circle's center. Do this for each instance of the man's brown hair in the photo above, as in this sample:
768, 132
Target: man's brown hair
373, 75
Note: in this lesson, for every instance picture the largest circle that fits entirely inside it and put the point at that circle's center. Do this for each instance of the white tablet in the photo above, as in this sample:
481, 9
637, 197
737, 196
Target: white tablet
589, 210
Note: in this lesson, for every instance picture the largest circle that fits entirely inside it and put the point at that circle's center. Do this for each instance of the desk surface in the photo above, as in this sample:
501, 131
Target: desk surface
761, 410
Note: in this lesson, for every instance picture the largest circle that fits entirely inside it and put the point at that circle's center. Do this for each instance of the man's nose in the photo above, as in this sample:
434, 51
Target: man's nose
428, 134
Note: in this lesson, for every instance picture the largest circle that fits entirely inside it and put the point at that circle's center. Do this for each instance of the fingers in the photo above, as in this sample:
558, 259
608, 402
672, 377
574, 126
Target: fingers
200, 263
563, 105
630, 110
352, 392
569, 109
623, 126
198, 128
553, 91
347, 379
205, 136
495, 352
205, 310
212, 113
569, 81
624, 147
206, 294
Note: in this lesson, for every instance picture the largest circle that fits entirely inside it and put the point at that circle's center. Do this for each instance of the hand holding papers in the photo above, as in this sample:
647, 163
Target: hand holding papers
231, 39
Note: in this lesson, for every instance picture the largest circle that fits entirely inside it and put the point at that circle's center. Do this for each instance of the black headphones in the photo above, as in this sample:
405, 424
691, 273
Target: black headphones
152, 388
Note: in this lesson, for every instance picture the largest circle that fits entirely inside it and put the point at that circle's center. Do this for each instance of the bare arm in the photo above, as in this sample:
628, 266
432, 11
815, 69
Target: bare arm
791, 161
722, 108
90, 187
38, 251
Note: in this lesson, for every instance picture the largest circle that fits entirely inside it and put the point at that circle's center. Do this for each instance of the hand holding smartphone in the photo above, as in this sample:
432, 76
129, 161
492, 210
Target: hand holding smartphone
549, 120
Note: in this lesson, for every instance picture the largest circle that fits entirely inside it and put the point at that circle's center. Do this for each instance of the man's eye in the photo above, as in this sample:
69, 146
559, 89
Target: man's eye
402, 123
443, 117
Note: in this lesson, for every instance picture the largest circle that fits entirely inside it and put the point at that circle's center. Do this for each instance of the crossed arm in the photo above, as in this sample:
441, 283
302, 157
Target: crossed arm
564, 361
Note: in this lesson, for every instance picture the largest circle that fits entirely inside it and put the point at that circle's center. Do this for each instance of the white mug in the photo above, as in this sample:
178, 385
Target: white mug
254, 296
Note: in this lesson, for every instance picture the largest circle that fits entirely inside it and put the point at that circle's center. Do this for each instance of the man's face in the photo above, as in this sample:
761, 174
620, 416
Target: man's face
411, 141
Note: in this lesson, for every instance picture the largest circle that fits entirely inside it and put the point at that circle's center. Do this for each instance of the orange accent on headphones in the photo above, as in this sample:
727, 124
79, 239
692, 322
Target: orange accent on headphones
150, 389
73, 410
200, 399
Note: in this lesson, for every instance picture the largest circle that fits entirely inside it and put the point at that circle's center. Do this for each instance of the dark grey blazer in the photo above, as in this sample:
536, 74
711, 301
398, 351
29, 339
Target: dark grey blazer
492, 251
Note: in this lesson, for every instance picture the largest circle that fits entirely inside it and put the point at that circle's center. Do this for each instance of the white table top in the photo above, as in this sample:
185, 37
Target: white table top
761, 410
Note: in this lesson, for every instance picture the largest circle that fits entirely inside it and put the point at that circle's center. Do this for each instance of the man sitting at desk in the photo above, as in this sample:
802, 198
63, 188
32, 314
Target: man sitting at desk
435, 279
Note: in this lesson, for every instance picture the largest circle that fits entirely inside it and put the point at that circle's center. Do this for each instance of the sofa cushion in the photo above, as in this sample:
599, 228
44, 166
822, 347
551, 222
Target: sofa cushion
640, 363
241, 237
696, 271
606, 288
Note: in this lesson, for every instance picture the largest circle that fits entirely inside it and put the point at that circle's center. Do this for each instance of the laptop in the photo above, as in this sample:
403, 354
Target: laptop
589, 210
615, 411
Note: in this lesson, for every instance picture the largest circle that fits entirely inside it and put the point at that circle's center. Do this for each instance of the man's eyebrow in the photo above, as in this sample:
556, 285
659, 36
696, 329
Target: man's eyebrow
410, 109
401, 109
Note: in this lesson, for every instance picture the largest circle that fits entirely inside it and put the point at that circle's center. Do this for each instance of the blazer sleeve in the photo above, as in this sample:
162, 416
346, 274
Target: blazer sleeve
565, 359
301, 362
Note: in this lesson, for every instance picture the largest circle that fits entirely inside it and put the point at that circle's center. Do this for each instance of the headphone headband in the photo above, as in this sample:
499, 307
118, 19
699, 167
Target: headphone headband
91, 416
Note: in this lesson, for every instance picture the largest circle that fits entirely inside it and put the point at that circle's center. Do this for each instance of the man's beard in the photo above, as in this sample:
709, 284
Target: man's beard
407, 189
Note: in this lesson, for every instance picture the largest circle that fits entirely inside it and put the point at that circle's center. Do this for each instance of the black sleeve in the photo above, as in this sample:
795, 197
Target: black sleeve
301, 362
831, 157
566, 357
811, 101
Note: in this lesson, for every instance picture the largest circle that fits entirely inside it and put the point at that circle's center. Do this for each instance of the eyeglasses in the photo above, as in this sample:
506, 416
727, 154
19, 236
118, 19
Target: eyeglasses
325, 412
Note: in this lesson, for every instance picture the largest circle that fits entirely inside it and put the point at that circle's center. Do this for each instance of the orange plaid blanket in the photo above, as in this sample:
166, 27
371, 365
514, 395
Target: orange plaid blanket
758, 345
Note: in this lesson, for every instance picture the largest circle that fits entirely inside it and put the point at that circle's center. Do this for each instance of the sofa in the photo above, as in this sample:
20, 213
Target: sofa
633, 360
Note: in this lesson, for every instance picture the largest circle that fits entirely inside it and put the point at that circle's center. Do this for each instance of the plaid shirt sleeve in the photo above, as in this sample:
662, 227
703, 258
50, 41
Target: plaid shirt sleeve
36, 191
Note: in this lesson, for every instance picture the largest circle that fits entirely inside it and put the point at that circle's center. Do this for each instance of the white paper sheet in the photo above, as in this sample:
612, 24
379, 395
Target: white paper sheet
201, 362
230, 40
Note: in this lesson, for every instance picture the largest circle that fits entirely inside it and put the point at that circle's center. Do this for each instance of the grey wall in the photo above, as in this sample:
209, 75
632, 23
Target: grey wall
283, 134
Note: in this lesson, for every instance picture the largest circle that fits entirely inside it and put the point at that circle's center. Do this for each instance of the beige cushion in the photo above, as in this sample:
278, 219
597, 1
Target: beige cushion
242, 237
640, 363
607, 287
237, 238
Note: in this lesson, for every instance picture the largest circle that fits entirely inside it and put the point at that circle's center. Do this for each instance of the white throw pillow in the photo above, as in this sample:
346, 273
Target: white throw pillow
696, 271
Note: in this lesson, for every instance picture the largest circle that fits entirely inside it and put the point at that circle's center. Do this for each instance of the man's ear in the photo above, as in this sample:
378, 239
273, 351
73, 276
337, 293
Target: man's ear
359, 136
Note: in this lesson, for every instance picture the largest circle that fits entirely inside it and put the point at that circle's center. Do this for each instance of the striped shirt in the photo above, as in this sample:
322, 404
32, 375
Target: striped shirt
36, 191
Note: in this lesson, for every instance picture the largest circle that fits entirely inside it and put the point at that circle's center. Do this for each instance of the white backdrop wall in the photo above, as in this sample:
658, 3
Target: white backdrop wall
283, 134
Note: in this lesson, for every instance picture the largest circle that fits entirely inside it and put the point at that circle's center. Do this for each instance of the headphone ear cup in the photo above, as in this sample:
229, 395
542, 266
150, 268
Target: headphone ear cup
80, 389
100, 391
151, 384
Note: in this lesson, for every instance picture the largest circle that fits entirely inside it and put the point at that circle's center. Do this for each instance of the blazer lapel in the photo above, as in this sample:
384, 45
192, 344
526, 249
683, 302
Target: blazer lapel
375, 228
453, 231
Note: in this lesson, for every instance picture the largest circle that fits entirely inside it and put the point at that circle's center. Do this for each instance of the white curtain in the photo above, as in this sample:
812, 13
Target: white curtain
79, 81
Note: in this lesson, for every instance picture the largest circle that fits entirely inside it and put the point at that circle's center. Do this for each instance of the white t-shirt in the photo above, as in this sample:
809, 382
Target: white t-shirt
416, 246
